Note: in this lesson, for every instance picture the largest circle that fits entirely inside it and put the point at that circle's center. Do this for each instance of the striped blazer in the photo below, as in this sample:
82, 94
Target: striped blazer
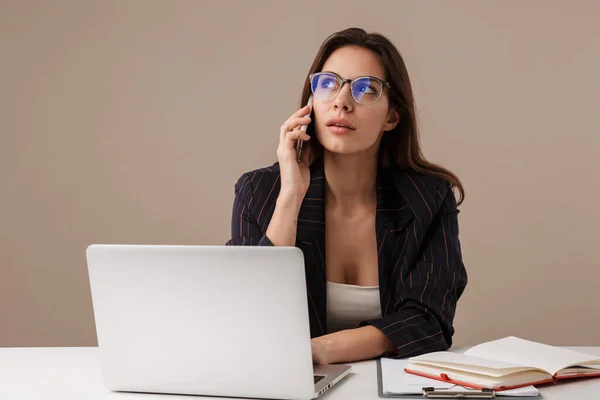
421, 272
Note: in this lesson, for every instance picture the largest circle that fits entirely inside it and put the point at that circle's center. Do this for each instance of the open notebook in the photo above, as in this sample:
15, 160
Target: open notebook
505, 364
395, 382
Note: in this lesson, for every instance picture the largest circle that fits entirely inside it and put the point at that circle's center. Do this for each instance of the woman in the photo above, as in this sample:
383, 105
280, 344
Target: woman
376, 222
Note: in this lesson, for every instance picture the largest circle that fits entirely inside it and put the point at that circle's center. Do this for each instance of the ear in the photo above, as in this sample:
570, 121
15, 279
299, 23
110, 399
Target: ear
392, 121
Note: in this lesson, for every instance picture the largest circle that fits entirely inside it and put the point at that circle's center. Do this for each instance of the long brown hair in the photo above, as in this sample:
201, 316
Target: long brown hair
399, 146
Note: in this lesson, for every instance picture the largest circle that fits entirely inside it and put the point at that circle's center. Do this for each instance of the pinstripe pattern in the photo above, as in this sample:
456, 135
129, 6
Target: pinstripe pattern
421, 273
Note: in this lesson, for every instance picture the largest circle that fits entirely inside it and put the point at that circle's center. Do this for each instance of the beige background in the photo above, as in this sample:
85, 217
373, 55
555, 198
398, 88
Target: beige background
130, 121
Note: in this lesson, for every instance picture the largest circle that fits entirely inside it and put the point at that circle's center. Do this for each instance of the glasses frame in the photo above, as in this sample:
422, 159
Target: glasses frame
384, 84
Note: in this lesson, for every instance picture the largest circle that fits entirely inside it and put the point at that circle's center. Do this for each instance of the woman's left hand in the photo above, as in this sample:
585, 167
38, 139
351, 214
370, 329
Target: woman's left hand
320, 352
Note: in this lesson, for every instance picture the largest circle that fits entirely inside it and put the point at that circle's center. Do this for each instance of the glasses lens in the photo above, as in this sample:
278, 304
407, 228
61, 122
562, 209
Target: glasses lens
366, 90
325, 86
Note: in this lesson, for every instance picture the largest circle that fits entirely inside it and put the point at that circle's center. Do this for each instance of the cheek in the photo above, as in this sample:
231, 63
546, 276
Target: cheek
318, 117
372, 121
318, 113
379, 116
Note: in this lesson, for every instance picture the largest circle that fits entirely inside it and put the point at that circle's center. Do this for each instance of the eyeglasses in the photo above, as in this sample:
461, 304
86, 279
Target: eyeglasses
365, 90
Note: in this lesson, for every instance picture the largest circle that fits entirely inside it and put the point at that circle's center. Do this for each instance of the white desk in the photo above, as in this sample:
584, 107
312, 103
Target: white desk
73, 373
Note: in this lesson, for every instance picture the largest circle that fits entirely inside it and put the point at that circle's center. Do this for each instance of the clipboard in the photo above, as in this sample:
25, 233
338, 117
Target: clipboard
457, 392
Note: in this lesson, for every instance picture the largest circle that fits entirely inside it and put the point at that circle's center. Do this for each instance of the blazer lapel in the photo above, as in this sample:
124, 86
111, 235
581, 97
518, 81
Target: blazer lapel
393, 222
311, 218
310, 238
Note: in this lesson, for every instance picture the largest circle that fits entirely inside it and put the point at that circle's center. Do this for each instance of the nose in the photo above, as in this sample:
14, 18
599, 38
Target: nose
344, 99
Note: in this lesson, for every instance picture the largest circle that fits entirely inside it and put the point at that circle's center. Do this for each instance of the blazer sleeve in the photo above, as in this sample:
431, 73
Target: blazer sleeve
245, 230
428, 292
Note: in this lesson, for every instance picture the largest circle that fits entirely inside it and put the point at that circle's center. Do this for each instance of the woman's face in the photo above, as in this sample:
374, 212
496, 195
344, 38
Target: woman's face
366, 122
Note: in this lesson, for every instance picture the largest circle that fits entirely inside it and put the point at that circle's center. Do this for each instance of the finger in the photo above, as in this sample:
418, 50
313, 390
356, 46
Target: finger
292, 125
301, 112
292, 137
295, 123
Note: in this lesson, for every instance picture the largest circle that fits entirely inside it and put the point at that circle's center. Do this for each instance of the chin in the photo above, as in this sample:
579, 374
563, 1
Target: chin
344, 146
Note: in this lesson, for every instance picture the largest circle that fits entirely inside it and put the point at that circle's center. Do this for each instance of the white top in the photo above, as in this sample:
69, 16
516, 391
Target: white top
347, 305
59, 373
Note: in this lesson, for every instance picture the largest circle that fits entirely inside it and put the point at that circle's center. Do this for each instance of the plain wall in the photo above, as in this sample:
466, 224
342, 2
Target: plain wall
130, 122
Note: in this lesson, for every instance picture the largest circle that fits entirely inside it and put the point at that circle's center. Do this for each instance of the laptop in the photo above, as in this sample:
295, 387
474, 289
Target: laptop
205, 320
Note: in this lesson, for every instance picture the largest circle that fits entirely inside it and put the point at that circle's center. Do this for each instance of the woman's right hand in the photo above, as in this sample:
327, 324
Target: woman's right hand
295, 176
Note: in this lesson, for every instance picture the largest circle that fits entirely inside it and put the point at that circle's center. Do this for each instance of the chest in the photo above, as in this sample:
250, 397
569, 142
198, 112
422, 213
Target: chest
351, 248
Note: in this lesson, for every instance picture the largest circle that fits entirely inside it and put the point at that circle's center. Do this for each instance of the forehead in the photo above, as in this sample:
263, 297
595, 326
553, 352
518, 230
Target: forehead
350, 62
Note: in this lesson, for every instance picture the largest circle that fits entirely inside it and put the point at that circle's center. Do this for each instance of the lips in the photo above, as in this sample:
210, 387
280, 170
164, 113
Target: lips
339, 130
341, 123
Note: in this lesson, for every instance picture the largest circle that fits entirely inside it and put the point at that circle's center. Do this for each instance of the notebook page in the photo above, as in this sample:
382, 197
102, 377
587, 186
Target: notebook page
524, 352
469, 363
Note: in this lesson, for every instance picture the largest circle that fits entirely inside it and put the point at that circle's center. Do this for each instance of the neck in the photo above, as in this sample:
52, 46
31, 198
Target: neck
351, 179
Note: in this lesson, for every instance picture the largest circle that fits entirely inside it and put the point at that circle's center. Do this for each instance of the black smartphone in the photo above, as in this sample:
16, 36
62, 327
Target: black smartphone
299, 142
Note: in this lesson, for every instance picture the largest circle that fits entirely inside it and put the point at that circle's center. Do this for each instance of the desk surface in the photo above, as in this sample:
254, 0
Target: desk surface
69, 373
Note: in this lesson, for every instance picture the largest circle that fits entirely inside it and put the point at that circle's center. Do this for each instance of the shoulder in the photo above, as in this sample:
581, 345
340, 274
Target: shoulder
424, 193
258, 179
420, 181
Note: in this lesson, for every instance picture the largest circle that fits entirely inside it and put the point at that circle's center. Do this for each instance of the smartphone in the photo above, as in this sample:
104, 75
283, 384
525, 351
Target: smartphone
299, 142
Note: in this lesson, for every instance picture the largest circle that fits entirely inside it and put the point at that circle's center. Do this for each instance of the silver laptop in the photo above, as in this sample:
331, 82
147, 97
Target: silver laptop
205, 320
